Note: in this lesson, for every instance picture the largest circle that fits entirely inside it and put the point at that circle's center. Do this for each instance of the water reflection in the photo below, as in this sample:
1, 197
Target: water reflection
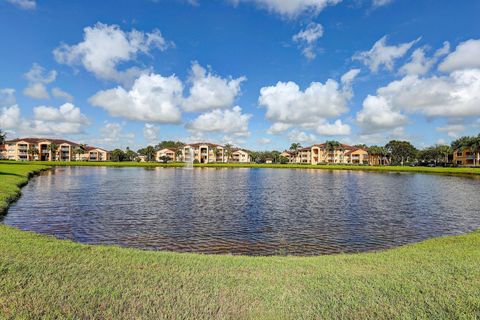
246, 211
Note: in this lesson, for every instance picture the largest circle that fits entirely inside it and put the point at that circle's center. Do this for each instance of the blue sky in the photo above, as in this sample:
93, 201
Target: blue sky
260, 74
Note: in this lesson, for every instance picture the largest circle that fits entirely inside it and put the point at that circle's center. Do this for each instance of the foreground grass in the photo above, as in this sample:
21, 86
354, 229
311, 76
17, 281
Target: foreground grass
441, 170
41, 277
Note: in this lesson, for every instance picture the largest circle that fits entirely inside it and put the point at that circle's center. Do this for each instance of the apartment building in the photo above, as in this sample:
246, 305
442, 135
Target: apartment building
465, 157
171, 153
289, 155
96, 154
204, 152
241, 156
41, 149
321, 153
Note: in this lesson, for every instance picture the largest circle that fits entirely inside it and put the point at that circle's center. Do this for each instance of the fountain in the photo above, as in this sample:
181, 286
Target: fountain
189, 161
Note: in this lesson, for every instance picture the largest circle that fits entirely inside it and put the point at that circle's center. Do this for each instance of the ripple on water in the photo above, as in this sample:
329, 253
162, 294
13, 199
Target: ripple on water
246, 211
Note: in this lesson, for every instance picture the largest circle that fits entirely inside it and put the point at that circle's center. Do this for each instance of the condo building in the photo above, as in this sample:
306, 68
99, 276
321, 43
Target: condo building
466, 157
321, 153
171, 153
241, 156
205, 152
45, 149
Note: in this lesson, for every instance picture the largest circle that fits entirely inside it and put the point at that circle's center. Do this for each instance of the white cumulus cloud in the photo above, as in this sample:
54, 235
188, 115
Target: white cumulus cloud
377, 115
152, 98
24, 4
151, 133
291, 8
287, 105
66, 119
382, 54
307, 39
381, 3
420, 64
301, 136
105, 47
232, 122
465, 56
60, 94
9, 117
38, 79
338, 128
209, 91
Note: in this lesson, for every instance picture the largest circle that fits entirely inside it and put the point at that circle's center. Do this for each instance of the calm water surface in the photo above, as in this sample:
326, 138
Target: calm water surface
246, 211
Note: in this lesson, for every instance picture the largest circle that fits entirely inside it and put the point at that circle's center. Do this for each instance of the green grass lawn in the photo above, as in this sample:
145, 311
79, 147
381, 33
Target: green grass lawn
464, 171
41, 277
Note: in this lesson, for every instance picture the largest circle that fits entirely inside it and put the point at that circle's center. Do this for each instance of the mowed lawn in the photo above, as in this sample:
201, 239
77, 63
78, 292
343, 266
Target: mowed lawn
41, 277
441, 170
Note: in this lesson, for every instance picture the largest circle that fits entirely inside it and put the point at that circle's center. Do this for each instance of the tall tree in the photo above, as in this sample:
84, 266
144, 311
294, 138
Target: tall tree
32, 151
178, 154
169, 144
118, 155
401, 151
228, 151
294, 147
3, 136
79, 150
380, 152
52, 147
331, 145
149, 152
130, 155
474, 145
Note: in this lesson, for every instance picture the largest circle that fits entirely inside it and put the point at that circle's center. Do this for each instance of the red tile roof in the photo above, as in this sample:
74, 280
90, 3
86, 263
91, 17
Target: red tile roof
198, 144
56, 141
37, 140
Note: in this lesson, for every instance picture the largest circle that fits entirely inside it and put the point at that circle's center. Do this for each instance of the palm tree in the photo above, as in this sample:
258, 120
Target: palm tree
79, 150
467, 143
214, 151
294, 147
52, 147
444, 151
2, 137
228, 151
149, 152
32, 151
178, 154
331, 146
474, 145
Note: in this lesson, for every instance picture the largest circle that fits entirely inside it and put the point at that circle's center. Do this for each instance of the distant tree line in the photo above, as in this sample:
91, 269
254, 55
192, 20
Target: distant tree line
397, 151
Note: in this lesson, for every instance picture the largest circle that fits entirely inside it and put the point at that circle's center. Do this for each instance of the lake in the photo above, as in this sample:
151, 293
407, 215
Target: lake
251, 211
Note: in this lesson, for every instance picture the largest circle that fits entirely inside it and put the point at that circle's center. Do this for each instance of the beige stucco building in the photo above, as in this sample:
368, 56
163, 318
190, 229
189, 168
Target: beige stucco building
320, 154
40, 149
171, 153
204, 152
241, 156
465, 157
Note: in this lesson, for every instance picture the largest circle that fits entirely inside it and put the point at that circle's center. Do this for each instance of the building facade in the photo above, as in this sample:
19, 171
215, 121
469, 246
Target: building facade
241, 156
466, 157
44, 149
171, 153
322, 154
204, 152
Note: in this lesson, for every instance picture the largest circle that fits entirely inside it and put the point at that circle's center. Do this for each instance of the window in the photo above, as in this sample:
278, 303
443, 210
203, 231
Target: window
459, 154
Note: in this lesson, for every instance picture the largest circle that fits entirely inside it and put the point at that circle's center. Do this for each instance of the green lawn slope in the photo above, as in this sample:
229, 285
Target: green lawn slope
42, 277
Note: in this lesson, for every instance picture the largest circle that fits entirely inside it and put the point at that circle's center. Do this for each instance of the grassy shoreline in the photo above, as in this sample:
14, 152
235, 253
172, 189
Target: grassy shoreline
441, 170
42, 277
